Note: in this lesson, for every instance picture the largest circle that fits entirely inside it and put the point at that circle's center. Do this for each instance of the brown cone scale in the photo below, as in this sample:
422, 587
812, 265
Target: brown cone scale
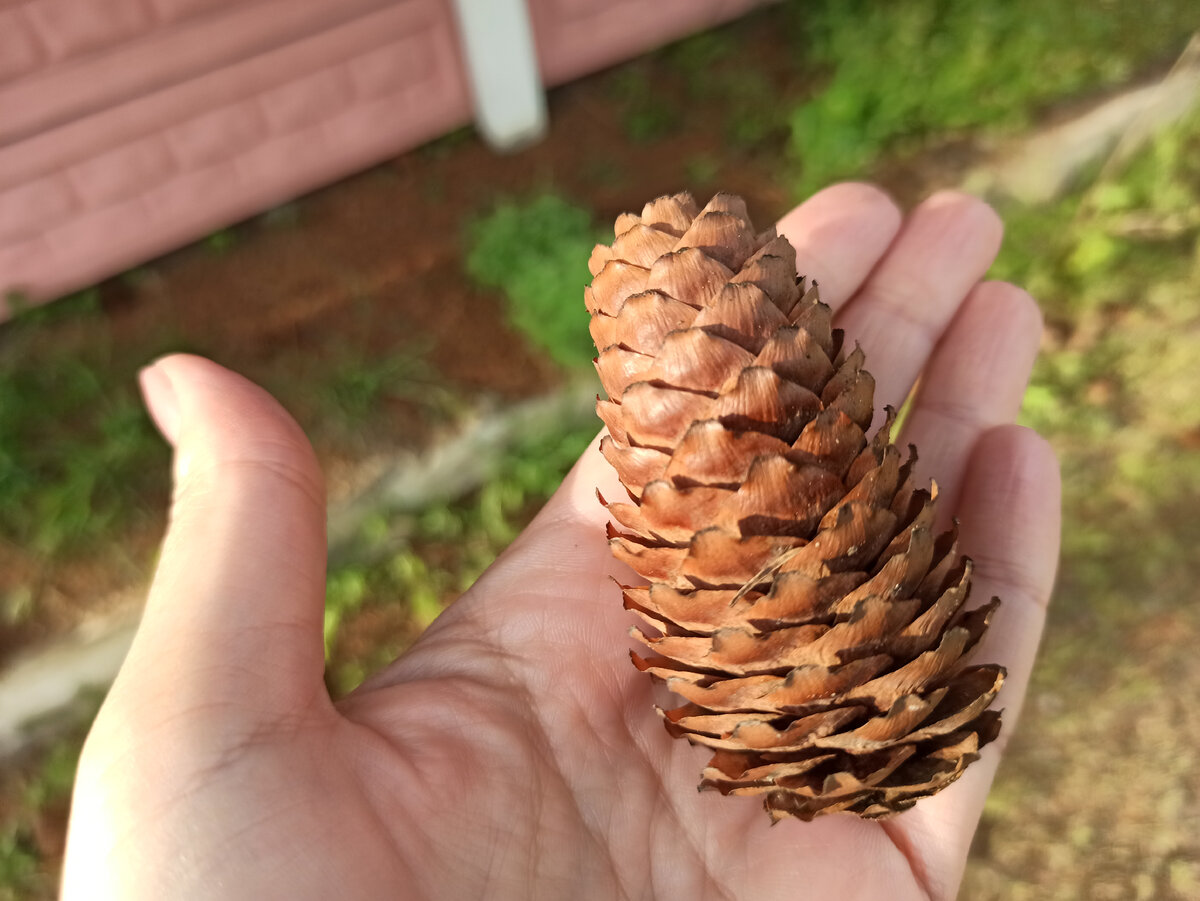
795, 596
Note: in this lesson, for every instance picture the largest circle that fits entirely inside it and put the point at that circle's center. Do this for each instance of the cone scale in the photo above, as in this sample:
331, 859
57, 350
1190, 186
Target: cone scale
794, 594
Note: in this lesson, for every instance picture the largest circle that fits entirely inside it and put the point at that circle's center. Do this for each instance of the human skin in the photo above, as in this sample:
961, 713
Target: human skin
514, 752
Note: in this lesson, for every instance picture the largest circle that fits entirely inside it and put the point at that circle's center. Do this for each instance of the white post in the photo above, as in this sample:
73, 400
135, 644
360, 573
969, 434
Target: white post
510, 106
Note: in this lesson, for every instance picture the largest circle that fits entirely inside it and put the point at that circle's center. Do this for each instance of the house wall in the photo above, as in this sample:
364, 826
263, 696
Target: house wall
131, 127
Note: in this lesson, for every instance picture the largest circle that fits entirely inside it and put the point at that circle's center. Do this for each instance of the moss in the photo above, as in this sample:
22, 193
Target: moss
535, 251
908, 70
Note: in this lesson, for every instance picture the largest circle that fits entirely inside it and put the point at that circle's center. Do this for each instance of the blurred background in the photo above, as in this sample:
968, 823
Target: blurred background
400, 257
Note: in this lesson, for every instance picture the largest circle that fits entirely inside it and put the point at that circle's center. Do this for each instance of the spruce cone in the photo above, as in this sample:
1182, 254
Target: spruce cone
798, 600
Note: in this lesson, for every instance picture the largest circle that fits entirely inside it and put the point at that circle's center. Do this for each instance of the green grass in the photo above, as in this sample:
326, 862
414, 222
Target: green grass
535, 251
1117, 270
80, 460
447, 547
355, 389
51, 783
442, 147
20, 865
903, 71
646, 114
76, 448
221, 241
1106, 747
713, 73
48, 784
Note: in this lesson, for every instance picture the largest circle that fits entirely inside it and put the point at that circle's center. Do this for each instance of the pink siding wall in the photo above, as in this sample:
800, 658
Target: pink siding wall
575, 37
131, 127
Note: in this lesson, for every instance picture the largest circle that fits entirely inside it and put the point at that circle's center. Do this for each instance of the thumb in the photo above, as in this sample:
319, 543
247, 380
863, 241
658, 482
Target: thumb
234, 615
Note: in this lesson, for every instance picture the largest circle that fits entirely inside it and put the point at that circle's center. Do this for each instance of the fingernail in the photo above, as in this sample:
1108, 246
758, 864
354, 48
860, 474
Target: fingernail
159, 396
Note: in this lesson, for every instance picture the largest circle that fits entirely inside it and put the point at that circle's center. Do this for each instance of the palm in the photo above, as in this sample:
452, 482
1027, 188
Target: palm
541, 705
514, 751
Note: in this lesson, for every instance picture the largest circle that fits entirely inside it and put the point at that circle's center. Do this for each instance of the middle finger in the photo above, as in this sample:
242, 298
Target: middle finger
943, 250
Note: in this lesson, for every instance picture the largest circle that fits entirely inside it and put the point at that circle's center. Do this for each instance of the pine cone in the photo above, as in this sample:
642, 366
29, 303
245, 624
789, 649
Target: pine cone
798, 599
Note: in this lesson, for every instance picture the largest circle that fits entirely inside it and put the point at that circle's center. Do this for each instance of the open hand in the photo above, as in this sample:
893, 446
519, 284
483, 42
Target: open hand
514, 752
